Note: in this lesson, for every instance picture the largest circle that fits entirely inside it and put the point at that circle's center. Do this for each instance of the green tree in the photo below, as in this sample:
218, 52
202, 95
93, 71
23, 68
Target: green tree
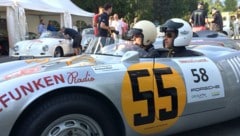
218, 5
230, 5
164, 10
156, 10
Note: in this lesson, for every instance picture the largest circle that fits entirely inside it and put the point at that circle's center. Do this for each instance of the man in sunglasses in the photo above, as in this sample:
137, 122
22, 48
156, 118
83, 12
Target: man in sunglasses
178, 34
144, 34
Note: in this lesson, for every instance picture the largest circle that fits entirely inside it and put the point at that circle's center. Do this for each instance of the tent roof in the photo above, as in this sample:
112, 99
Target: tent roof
68, 6
55, 6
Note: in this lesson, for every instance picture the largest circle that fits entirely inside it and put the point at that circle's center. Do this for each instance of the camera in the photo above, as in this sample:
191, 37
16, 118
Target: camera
114, 31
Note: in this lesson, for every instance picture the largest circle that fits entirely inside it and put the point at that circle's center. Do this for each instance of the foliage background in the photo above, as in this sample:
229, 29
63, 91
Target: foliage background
157, 11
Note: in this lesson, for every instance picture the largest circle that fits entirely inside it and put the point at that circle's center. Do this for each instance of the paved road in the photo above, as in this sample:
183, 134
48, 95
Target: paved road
228, 128
7, 58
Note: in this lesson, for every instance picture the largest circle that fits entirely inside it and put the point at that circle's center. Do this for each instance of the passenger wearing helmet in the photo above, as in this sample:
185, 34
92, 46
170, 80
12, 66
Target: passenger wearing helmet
178, 34
144, 34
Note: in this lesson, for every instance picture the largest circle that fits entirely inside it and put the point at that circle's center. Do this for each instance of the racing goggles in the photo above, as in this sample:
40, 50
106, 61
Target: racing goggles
169, 34
134, 32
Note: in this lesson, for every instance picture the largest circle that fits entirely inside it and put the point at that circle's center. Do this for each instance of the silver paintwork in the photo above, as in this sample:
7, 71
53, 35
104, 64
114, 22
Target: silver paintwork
105, 75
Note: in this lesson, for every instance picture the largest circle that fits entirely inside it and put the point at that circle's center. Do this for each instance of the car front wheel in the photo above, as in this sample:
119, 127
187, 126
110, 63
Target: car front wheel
68, 115
58, 52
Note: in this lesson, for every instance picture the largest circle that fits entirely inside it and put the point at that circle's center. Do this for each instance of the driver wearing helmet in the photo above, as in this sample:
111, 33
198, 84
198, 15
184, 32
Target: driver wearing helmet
144, 34
178, 34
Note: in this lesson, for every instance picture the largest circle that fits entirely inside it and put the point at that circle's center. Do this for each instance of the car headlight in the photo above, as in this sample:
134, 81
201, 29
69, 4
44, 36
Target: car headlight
16, 48
45, 48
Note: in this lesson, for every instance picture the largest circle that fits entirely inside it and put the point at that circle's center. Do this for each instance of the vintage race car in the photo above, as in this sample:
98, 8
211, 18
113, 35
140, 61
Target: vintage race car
49, 44
213, 38
206, 37
114, 91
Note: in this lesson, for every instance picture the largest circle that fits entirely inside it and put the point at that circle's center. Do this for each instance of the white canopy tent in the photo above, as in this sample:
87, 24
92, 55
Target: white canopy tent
69, 9
24, 15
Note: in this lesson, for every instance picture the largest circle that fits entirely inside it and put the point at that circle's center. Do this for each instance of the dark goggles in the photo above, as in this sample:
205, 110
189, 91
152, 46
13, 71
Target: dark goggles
169, 34
134, 32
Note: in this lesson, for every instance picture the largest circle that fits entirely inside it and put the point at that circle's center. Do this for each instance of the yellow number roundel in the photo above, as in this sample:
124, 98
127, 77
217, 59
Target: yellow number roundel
152, 99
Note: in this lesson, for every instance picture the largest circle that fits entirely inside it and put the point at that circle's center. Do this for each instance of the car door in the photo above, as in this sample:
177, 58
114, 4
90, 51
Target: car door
66, 45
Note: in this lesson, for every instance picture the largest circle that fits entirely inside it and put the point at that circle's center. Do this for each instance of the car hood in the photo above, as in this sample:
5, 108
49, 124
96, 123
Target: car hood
37, 42
14, 69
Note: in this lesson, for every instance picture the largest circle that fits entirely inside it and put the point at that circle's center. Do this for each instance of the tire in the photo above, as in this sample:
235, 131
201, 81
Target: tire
58, 52
69, 114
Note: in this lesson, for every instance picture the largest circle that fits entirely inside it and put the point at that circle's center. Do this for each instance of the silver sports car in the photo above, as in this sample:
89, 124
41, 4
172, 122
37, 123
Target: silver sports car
115, 91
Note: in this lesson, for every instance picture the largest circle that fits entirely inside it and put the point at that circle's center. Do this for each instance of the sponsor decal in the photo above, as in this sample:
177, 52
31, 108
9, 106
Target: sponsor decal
108, 68
199, 96
202, 77
29, 88
74, 77
203, 88
22, 72
41, 83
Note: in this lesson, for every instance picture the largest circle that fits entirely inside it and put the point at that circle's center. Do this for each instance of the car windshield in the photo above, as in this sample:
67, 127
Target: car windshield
115, 49
87, 31
50, 34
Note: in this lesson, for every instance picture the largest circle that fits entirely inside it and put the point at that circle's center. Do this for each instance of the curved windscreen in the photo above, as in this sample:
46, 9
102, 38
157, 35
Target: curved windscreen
114, 49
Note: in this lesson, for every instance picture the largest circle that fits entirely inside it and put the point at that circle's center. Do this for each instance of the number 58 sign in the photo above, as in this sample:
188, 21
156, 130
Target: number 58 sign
202, 77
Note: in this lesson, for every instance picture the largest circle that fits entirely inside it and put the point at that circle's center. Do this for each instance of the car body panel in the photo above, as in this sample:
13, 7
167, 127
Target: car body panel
157, 96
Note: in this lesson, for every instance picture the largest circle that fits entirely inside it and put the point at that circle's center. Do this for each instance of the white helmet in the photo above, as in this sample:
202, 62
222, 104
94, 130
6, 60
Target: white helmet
182, 29
148, 31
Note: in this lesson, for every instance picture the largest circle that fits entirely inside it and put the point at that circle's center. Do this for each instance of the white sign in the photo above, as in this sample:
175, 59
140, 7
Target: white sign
202, 78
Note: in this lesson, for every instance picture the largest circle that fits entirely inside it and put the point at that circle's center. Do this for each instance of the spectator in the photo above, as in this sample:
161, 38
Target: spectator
50, 26
96, 19
198, 18
125, 27
236, 24
110, 20
73, 34
41, 27
118, 26
104, 28
217, 21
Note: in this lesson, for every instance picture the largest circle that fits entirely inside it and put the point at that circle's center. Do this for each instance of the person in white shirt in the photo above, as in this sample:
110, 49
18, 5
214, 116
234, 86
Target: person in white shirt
236, 27
118, 25
125, 27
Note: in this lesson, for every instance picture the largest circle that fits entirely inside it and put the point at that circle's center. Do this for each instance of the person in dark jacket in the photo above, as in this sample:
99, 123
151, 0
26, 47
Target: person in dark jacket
199, 18
178, 35
217, 21
77, 38
103, 24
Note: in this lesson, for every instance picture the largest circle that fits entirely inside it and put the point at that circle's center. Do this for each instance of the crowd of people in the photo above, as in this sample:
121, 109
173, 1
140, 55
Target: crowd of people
110, 28
69, 33
143, 33
43, 28
199, 20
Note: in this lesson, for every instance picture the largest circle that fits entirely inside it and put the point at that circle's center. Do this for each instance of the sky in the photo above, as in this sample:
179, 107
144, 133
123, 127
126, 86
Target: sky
237, 0
224, 0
